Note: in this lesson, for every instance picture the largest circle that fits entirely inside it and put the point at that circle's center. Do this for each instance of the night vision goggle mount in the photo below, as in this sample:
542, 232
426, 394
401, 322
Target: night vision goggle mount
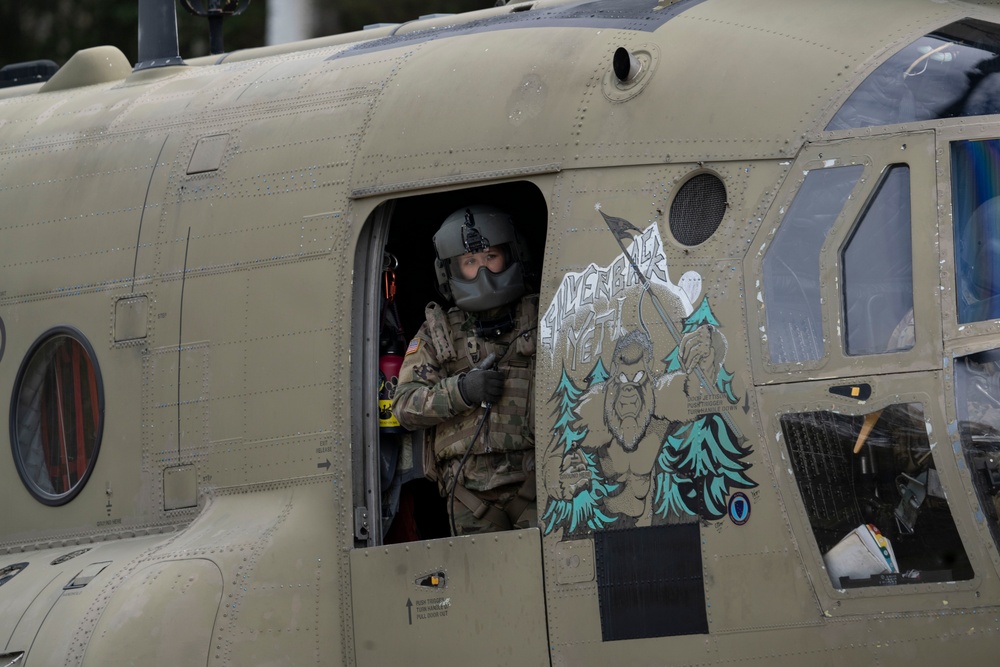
472, 239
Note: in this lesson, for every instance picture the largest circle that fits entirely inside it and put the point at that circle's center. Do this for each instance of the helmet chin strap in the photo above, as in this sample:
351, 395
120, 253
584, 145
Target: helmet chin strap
492, 328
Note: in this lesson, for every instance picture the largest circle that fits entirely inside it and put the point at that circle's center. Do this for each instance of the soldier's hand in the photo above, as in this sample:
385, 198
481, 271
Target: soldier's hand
482, 384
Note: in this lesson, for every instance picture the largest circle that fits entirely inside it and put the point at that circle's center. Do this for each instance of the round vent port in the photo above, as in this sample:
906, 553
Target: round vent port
697, 210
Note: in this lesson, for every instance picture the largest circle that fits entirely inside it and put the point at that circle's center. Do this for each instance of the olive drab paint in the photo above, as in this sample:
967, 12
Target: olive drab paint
765, 373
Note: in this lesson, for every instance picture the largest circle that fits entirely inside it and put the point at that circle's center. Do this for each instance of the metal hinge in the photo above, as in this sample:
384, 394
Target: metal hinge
361, 525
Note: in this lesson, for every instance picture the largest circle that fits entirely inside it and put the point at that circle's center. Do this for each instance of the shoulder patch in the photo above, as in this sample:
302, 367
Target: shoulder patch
413, 346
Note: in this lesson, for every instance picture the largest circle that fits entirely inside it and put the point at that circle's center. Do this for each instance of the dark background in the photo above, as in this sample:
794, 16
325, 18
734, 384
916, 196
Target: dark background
56, 29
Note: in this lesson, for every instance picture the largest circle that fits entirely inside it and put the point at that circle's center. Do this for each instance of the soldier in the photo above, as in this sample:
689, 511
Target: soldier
468, 374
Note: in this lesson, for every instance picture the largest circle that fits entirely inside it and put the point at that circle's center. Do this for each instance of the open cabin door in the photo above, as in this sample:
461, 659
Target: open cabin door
420, 596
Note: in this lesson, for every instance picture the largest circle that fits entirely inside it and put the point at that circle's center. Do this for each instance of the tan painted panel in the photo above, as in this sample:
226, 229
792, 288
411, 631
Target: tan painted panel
51, 623
64, 117
161, 96
29, 598
163, 613
64, 218
131, 315
802, 55
283, 597
488, 611
180, 487
523, 118
591, 303
208, 154
119, 458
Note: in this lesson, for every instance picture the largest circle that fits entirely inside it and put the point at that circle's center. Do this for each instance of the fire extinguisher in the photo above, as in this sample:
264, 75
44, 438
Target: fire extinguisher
389, 363
391, 346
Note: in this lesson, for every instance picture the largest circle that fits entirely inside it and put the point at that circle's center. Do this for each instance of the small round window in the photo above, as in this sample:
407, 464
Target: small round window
57, 415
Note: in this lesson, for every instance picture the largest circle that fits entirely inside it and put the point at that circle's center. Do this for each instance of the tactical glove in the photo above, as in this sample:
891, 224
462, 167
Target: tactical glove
482, 384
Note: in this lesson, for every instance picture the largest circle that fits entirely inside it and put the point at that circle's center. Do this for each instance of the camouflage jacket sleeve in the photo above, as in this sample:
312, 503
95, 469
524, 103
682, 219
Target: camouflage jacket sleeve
426, 395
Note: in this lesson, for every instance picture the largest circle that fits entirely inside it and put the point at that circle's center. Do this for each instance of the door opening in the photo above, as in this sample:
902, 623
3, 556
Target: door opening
398, 503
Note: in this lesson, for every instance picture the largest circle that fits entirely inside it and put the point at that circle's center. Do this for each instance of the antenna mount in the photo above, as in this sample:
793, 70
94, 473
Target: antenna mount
215, 11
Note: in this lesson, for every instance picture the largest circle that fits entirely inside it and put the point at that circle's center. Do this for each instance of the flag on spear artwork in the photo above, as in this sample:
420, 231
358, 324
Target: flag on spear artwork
620, 227
622, 230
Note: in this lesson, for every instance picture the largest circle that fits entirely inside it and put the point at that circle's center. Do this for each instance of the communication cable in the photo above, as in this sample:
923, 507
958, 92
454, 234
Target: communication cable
479, 428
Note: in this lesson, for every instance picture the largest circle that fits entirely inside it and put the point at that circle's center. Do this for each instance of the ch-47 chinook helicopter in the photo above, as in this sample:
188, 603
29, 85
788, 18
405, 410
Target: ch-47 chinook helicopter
767, 396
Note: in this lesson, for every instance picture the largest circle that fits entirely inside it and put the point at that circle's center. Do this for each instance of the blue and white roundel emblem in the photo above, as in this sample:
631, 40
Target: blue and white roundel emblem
739, 508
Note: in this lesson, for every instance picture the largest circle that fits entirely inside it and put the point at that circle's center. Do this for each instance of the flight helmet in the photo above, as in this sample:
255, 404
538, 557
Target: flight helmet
477, 229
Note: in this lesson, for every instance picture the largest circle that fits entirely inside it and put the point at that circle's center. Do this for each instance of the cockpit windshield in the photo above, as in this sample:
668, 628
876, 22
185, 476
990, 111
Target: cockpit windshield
952, 72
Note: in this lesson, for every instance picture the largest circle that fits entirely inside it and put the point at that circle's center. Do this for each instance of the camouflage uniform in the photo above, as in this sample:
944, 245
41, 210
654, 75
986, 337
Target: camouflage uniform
503, 457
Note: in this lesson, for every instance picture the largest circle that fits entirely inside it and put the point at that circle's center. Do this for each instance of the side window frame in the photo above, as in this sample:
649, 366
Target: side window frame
966, 213
884, 392
859, 385
893, 315
875, 154
973, 340
795, 340
875, 469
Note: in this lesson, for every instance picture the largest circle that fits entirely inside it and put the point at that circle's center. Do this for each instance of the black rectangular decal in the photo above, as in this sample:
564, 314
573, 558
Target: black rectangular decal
650, 582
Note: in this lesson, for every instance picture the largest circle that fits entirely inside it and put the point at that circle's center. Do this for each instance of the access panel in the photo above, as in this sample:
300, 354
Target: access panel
474, 600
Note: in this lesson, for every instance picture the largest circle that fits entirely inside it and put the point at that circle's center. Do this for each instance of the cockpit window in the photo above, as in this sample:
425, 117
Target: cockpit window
874, 499
878, 272
791, 284
952, 72
976, 216
977, 397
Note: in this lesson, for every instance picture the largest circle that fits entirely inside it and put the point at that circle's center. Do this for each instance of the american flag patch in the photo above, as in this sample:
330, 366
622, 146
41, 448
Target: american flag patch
413, 346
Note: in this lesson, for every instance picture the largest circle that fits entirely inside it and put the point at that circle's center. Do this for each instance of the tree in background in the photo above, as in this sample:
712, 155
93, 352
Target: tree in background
57, 29
355, 14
